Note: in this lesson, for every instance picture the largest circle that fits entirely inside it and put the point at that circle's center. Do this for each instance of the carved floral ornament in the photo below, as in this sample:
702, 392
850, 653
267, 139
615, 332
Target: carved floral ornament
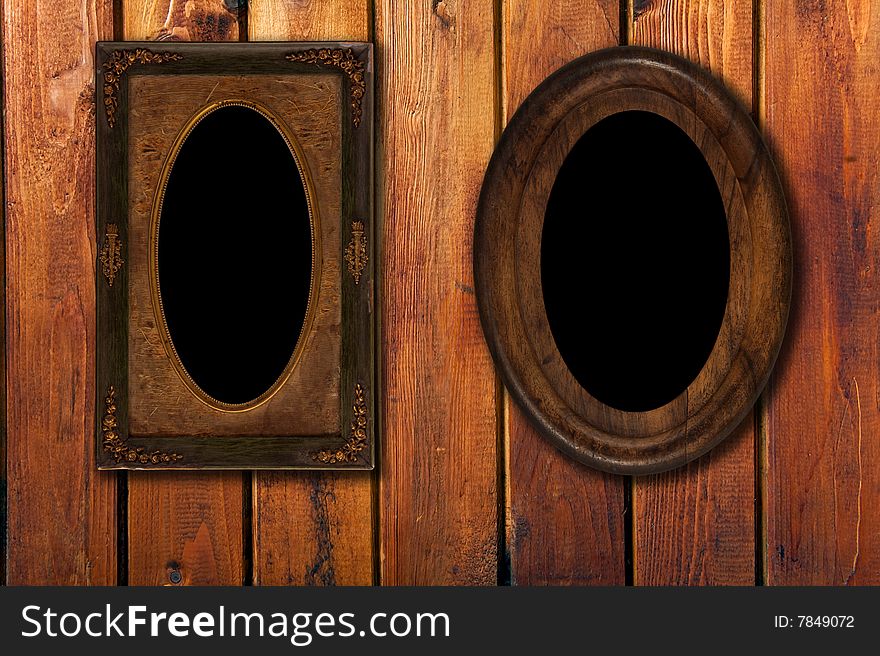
356, 251
357, 439
343, 59
116, 444
111, 253
121, 451
116, 67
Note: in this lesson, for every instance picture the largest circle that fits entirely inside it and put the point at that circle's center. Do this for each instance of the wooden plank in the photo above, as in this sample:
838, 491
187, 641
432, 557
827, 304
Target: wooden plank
821, 111
312, 528
696, 525
437, 124
62, 511
564, 521
184, 528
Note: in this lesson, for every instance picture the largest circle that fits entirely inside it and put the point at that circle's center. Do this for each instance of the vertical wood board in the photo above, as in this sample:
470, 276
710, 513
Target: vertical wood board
821, 112
564, 521
184, 528
696, 525
61, 510
312, 528
437, 120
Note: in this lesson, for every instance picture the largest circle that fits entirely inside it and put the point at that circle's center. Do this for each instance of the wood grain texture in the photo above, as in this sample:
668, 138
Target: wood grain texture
309, 20
437, 121
312, 528
822, 118
62, 511
716, 34
193, 521
564, 521
181, 20
186, 525
696, 525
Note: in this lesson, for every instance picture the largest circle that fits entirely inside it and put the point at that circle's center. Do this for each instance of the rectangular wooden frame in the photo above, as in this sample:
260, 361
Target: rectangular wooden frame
353, 448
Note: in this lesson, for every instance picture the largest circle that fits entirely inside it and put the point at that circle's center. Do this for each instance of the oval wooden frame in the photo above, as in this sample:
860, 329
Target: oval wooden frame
507, 240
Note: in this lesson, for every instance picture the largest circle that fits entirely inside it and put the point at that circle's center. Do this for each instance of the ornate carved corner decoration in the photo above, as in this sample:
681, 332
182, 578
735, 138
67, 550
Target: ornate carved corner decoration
111, 253
343, 59
117, 446
356, 251
357, 440
116, 67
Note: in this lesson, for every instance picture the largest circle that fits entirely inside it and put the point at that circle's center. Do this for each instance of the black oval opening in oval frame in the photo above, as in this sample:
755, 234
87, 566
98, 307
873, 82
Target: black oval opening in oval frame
235, 254
635, 261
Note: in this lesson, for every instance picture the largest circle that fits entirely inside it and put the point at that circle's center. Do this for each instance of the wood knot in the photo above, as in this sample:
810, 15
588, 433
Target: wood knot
201, 20
445, 12
812, 9
640, 7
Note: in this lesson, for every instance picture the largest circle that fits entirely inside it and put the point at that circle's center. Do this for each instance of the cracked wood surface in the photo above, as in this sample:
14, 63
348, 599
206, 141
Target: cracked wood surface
822, 117
313, 528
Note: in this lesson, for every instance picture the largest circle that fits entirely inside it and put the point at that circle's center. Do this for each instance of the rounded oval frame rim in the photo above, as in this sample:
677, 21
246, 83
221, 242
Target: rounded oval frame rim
498, 219
314, 286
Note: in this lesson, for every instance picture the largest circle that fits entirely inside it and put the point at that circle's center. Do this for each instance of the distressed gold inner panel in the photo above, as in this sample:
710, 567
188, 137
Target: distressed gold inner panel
308, 401
315, 254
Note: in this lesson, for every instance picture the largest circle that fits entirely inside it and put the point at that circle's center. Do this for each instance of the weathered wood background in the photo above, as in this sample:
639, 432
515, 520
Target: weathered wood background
466, 492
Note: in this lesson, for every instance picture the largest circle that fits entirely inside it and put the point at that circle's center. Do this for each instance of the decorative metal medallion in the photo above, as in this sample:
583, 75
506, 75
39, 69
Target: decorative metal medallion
111, 253
357, 440
115, 68
356, 251
116, 445
343, 59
